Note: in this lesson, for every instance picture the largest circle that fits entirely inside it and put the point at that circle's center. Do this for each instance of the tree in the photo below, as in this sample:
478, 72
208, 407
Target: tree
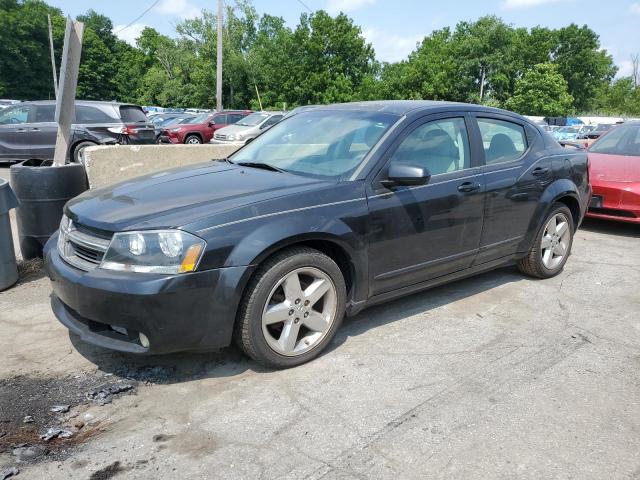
541, 91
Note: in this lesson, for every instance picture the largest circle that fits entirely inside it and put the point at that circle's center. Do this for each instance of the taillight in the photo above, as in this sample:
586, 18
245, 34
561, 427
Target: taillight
130, 130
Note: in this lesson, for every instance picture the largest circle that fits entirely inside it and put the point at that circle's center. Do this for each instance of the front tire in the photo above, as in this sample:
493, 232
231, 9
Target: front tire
552, 246
291, 309
192, 140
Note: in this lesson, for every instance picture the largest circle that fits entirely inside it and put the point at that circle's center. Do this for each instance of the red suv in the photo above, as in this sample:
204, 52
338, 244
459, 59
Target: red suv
200, 128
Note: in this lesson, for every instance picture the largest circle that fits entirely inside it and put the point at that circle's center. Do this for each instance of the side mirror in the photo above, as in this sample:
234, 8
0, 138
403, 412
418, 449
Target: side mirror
212, 123
406, 175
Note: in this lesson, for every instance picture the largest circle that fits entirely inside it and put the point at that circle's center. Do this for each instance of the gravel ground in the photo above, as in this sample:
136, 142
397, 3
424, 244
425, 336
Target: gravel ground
497, 376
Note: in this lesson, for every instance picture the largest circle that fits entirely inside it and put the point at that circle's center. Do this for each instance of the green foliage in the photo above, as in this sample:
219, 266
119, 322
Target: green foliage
322, 59
541, 91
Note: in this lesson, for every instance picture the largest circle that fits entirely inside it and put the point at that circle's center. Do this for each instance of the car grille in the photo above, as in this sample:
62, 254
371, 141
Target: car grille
220, 136
81, 248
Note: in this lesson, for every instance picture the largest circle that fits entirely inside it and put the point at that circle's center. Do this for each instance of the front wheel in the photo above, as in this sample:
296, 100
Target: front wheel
193, 140
292, 308
552, 246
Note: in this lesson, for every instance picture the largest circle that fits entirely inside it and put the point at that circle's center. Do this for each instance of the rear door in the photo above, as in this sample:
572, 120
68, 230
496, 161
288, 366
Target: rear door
43, 131
516, 174
14, 133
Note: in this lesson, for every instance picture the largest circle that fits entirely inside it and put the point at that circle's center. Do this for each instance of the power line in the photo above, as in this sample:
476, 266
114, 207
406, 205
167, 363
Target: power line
305, 6
137, 18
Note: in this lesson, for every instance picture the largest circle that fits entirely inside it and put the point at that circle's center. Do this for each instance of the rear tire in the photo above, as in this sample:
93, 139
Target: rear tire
79, 153
552, 246
192, 140
291, 309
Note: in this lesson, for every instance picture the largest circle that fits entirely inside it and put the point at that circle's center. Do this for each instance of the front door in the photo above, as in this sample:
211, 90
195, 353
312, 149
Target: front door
423, 232
14, 133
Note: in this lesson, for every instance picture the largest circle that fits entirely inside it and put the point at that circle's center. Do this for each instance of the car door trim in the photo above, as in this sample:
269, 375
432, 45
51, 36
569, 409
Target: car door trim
420, 266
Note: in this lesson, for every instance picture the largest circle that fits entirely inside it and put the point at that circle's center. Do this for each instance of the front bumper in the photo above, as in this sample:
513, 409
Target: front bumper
617, 201
187, 312
163, 138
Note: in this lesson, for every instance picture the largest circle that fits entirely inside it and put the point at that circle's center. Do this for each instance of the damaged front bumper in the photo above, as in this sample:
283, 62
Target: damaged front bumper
186, 312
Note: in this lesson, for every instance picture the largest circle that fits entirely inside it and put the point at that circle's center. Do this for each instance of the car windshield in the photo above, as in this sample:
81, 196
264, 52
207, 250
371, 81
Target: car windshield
623, 140
318, 143
253, 119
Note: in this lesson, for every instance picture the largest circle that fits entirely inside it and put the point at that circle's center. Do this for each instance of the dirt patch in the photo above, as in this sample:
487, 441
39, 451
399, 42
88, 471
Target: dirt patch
27, 411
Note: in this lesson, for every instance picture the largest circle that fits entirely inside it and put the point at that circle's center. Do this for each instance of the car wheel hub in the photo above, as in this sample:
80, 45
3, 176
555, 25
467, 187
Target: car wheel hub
299, 311
554, 245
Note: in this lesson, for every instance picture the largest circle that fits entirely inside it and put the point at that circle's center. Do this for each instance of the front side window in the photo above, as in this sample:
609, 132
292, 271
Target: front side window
14, 115
441, 146
272, 121
318, 143
502, 141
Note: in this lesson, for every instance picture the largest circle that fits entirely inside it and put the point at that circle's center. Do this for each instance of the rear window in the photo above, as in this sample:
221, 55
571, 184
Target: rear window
87, 114
132, 114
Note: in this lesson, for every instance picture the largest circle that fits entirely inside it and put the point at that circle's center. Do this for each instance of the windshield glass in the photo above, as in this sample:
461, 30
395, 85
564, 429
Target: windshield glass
623, 140
253, 119
325, 143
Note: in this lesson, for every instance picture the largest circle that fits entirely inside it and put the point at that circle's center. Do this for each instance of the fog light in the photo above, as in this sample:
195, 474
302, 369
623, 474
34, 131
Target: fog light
144, 341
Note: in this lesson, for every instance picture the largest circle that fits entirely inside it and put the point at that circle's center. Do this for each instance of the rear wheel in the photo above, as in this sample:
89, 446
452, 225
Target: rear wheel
79, 151
552, 246
292, 308
192, 140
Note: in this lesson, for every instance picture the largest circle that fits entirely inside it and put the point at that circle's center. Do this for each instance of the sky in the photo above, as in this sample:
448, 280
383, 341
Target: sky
395, 26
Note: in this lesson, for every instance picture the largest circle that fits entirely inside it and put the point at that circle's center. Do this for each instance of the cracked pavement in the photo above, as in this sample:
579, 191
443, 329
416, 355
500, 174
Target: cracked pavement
497, 376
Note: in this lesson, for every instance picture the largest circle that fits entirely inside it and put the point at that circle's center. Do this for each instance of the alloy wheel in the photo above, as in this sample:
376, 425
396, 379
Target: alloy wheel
193, 141
300, 311
555, 241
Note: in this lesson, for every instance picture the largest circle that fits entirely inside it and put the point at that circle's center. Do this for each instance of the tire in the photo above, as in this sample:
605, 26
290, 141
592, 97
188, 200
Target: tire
78, 152
280, 331
544, 259
192, 140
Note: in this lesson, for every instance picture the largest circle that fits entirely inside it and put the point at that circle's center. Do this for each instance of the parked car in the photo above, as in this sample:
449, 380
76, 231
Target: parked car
200, 128
28, 129
332, 210
615, 174
596, 132
248, 128
165, 120
570, 133
4, 103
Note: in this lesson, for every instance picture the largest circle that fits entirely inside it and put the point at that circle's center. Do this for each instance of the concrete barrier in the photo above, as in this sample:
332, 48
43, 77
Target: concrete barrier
112, 164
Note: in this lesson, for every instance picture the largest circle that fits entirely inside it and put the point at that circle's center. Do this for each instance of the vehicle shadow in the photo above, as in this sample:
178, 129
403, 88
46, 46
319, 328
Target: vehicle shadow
422, 302
229, 362
608, 227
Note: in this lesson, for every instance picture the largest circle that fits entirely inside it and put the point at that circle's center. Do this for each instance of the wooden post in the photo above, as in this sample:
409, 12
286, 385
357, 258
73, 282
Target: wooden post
65, 103
53, 57
219, 60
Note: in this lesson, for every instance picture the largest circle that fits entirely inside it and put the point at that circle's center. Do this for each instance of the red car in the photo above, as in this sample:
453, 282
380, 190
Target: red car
615, 174
200, 128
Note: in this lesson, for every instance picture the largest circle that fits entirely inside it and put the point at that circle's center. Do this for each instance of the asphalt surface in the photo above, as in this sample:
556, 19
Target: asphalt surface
497, 376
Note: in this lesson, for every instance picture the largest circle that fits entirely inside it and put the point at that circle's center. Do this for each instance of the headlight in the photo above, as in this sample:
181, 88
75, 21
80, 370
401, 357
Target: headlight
231, 137
154, 251
174, 130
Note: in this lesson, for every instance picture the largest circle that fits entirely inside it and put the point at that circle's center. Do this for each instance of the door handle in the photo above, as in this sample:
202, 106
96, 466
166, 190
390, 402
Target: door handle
468, 187
537, 172
21, 130
35, 129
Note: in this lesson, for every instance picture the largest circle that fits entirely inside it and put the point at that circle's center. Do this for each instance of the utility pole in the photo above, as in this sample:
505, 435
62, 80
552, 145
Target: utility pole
219, 60
482, 70
66, 100
53, 56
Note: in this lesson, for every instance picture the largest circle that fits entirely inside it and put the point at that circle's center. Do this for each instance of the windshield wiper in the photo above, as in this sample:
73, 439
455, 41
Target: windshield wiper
264, 166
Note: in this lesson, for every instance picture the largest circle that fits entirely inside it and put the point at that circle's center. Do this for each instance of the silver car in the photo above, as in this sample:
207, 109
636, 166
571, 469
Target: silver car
247, 129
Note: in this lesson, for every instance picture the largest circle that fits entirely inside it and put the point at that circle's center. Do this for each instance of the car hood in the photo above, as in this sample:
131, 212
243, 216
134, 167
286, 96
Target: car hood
614, 168
236, 129
175, 198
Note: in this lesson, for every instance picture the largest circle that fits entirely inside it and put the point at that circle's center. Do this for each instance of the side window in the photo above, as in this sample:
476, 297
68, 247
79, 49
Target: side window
85, 114
272, 121
14, 115
502, 141
233, 117
441, 146
221, 119
45, 113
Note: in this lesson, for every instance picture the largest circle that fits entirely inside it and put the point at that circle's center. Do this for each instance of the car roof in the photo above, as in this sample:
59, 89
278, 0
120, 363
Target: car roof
82, 102
403, 107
